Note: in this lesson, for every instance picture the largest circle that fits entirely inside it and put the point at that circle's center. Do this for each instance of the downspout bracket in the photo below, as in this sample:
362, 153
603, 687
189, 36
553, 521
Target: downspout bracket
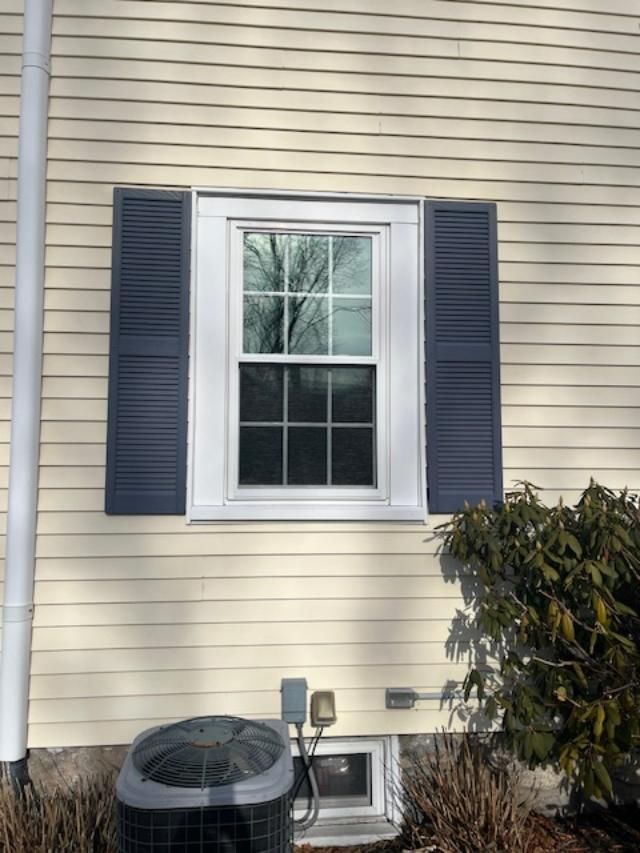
17, 612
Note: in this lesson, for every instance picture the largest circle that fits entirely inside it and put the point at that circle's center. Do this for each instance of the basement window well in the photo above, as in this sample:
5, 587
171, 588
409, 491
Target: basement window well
356, 790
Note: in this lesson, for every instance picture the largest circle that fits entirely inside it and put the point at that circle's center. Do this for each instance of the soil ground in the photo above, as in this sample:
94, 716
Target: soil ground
616, 830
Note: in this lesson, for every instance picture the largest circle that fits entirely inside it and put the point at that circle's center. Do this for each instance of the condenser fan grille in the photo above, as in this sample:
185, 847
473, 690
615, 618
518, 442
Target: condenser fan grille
207, 752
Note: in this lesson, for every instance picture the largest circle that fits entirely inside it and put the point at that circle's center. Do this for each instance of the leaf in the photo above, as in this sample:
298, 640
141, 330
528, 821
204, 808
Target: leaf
575, 546
528, 745
542, 744
603, 777
567, 627
491, 708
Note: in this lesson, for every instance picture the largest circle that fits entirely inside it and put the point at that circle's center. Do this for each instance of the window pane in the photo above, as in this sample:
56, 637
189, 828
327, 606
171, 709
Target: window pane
307, 393
351, 265
263, 324
263, 261
307, 457
261, 392
351, 321
352, 394
343, 777
308, 326
260, 456
308, 263
352, 456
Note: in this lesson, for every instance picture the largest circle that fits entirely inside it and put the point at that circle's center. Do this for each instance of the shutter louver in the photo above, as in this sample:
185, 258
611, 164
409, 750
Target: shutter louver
464, 458
147, 421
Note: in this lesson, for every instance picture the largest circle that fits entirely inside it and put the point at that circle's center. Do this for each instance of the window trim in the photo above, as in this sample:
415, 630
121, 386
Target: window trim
208, 495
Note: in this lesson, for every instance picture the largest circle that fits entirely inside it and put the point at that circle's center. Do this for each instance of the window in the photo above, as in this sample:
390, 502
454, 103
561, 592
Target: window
355, 779
198, 342
313, 308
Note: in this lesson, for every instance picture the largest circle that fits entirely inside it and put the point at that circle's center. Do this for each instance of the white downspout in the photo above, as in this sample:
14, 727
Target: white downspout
27, 377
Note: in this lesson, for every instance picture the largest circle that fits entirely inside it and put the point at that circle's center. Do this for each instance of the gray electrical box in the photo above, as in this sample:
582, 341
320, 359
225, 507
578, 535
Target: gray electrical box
294, 700
400, 697
323, 708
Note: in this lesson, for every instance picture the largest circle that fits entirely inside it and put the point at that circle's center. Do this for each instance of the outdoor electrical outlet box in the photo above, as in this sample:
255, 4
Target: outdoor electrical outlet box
323, 708
400, 697
294, 700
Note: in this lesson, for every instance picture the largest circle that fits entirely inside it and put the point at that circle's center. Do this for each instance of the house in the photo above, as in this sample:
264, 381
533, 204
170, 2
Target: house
246, 205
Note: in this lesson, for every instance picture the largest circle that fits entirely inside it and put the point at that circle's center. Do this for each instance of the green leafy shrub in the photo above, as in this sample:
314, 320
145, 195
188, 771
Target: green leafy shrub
558, 596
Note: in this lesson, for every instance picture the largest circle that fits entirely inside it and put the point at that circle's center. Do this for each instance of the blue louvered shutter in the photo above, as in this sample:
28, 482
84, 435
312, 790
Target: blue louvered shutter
464, 458
147, 420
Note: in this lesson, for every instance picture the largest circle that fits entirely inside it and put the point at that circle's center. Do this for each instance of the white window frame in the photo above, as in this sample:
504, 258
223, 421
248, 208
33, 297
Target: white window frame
377, 359
212, 493
383, 754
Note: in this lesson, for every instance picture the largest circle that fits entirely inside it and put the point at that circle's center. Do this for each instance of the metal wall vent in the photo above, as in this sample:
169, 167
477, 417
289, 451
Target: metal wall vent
207, 752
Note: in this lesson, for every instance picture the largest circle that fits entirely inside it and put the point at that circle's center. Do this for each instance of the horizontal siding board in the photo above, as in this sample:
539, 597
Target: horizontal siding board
564, 314
241, 589
349, 724
92, 522
74, 343
218, 637
69, 57
103, 660
70, 500
92, 409
580, 395
581, 374
430, 183
351, 33
563, 479
585, 418
450, 85
581, 458
568, 15
89, 569
519, 129
572, 293
533, 354
181, 705
572, 436
226, 680
240, 158
78, 364
255, 615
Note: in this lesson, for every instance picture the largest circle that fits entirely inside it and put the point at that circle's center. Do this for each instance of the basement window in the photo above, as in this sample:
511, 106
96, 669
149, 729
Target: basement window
354, 779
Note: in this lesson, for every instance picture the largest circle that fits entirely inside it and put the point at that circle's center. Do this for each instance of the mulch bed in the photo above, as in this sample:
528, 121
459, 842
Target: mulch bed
615, 830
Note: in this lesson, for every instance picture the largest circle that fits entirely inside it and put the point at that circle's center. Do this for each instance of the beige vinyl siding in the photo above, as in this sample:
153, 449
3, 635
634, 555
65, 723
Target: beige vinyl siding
533, 105
10, 53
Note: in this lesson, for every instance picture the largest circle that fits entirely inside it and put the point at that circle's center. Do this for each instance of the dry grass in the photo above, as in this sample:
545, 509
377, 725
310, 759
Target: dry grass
456, 802
78, 819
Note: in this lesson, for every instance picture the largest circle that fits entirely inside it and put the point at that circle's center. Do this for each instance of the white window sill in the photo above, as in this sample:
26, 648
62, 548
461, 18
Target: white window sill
347, 832
312, 512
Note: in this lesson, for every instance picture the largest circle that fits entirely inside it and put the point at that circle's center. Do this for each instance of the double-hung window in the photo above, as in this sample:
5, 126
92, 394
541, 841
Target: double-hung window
306, 362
